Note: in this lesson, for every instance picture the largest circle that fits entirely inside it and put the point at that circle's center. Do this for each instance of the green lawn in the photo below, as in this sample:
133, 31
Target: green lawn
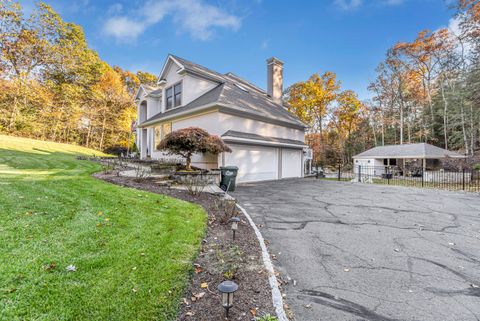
132, 250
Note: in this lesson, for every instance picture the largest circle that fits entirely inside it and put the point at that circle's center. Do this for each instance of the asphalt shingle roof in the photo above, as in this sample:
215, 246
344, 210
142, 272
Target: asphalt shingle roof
420, 150
235, 94
237, 134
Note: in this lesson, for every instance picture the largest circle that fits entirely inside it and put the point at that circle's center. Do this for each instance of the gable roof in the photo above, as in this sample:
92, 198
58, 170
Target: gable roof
233, 94
146, 88
420, 150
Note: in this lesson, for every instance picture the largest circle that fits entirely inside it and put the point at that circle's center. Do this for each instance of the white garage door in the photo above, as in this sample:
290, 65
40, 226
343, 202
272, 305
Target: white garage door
291, 163
255, 163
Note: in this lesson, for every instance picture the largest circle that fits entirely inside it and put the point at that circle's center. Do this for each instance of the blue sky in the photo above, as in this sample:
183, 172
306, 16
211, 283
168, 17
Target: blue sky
349, 37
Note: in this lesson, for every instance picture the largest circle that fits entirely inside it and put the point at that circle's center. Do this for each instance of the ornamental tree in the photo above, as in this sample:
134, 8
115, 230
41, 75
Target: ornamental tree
188, 141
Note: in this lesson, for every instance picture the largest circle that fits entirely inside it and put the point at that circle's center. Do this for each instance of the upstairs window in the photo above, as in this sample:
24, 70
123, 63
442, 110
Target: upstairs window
177, 94
173, 96
169, 95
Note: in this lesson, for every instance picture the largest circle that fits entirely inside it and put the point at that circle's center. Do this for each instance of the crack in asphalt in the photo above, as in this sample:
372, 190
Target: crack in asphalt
380, 254
344, 305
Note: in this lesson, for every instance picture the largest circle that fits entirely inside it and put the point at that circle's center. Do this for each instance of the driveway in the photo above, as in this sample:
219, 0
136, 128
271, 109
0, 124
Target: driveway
368, 252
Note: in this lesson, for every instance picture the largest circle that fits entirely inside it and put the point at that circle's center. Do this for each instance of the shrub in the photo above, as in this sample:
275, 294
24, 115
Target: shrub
116, 150
188, 141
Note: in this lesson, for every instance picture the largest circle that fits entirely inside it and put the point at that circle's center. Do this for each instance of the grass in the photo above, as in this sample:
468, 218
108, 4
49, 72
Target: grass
132, 250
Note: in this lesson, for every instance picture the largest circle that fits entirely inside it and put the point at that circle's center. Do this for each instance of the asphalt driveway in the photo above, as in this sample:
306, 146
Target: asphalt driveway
354, 251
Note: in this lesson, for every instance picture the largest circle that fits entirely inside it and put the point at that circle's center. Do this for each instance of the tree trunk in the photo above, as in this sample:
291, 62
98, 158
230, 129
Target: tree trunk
472, 131
445, 117
104, 123
401, 111
188, 165
464, 131
12, 115
88, 135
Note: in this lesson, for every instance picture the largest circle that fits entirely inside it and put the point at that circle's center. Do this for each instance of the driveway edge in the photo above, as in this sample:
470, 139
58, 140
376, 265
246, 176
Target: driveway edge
272, 279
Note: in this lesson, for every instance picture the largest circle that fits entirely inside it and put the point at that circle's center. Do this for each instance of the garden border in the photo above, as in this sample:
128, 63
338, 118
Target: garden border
272, 279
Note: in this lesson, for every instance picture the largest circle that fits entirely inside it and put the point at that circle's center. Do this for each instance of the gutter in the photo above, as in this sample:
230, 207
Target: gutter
239, 140
224, 108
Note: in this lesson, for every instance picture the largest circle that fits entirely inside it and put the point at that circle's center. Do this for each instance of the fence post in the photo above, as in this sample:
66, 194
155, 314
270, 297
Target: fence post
463, 179
423, 176
359, 173
339, 172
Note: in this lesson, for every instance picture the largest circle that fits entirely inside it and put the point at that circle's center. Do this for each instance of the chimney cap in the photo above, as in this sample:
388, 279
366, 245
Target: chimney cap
274, 60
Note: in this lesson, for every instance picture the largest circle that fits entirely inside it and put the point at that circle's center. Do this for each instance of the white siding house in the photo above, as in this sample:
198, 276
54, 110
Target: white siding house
267, 141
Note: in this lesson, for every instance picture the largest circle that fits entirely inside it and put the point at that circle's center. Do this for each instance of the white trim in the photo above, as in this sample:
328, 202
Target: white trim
272, 279
160, 77
260, 142
187, 111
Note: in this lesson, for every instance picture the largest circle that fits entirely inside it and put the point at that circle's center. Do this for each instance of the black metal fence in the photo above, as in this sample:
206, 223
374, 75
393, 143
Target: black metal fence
464, 180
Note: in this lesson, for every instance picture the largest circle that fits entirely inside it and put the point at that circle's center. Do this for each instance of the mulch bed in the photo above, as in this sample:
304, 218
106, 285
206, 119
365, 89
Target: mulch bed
220, 258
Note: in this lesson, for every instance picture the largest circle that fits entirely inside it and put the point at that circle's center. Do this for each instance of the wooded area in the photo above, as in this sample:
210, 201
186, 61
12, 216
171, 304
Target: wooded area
54, 87
426, 90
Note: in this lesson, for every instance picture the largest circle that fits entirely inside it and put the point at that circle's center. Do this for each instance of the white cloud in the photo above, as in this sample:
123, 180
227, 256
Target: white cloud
348, 4
115, 8
454, 26
264, 45
192, 16
123, 28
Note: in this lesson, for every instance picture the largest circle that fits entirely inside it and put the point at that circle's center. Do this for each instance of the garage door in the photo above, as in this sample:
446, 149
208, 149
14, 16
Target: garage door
255, 163
291, 163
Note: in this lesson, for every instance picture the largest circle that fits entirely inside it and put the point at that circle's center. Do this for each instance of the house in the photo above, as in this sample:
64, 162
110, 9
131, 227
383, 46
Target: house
404, 157
267, 141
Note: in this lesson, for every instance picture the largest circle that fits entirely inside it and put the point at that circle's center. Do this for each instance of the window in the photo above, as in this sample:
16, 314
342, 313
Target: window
160, 132
169, 94
178, 94
174, 96
158, 136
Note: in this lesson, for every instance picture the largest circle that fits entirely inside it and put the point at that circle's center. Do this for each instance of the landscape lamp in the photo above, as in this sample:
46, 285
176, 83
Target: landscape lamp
234, 221
227, 288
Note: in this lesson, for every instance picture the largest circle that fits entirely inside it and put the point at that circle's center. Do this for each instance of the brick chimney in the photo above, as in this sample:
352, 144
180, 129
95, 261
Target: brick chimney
275, 79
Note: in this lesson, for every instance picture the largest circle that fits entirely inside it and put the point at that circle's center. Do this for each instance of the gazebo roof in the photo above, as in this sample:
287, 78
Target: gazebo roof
421, 150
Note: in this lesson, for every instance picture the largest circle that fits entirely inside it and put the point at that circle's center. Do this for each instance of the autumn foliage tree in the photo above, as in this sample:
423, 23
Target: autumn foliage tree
426, 90
188, 141
54, 87
310, 101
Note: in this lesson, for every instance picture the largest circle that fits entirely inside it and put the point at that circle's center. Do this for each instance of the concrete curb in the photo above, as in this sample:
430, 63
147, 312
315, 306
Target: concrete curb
272, 279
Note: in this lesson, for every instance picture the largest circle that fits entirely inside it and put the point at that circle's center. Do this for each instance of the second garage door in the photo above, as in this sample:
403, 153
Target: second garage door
291, 162
255, 163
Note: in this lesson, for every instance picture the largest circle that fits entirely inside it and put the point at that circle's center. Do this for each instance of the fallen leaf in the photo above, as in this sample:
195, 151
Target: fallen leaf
204, 285
50, 266
71, 268
197, 296
253, 311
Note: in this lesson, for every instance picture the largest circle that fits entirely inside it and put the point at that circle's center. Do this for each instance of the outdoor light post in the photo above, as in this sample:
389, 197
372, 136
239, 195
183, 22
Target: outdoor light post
234, 221
226, 289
